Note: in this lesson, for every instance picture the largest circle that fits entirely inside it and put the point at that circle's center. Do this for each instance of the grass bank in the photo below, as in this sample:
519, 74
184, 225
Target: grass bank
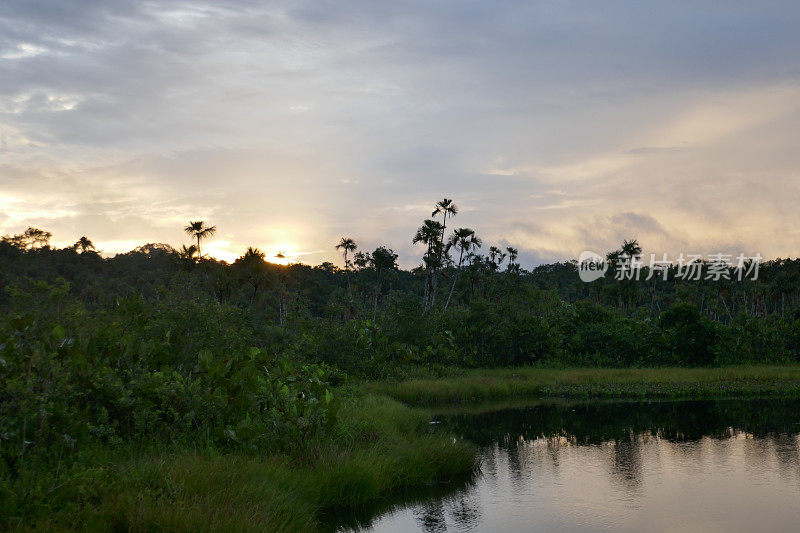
378, 448
533, 382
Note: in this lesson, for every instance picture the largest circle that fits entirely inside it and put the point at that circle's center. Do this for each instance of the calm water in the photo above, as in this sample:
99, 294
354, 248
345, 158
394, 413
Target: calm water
728, 465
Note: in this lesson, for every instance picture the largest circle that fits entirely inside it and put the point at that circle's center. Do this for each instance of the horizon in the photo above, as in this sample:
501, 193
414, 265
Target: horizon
645, 259
556, 127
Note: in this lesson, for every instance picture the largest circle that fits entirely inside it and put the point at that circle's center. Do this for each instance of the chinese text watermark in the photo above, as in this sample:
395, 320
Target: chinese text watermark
687, 267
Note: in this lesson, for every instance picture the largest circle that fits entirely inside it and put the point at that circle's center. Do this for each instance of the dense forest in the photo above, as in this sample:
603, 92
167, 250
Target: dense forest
171, 344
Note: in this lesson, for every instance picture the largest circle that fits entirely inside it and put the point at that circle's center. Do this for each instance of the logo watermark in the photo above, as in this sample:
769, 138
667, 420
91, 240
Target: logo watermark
688, 267
591, 266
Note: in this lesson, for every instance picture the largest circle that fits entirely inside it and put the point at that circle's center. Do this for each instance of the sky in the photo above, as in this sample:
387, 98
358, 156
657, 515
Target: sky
556, 126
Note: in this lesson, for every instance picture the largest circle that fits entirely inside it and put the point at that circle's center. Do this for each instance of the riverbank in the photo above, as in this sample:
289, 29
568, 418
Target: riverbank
380, 446
543, 383
377, 448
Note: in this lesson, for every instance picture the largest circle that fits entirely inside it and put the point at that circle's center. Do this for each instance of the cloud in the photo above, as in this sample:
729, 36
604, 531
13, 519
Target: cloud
22, 51
637, 222
293, 123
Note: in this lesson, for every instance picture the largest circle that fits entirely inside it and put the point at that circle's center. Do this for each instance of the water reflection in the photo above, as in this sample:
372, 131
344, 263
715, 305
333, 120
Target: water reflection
730, 465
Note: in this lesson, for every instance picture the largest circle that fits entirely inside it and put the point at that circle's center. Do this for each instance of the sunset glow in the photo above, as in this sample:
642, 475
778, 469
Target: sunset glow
396, 266
553, 125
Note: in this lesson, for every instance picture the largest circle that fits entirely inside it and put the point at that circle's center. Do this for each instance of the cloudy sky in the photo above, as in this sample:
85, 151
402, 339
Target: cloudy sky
555, 125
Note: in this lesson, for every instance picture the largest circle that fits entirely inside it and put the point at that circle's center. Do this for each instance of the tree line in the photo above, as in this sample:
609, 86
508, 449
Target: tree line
459, 307
172, 343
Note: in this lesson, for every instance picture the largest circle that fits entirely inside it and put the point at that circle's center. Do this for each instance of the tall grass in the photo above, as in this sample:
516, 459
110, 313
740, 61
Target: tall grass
477, 385
378, 448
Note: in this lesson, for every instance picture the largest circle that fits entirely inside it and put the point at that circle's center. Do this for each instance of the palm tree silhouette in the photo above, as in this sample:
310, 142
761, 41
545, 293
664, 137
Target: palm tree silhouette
496, 257
513, 253
188, 252
252, 265
84, 245
627, 256
631, 248
465, 240
186, 256
199, 230
445, 207
346, 245
430, 234
252, 254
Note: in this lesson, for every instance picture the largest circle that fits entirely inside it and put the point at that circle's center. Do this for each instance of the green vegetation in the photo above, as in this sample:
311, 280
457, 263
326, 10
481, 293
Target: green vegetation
162, 388
376, 448
537, 383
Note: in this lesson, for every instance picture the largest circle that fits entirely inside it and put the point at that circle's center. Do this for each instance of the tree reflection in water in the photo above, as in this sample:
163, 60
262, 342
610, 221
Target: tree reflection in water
615, 465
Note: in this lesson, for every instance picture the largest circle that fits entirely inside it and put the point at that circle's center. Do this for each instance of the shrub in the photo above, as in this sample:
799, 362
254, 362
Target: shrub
689, 336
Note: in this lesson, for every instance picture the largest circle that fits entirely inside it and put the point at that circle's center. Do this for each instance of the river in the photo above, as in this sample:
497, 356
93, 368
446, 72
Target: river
721, 465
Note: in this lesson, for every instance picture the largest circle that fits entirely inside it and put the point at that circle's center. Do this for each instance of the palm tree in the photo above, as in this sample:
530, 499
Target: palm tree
631, 248
188, 252
84, 245
252, 254
187, 258
496, 257
346, 245
465, 240
513, 253
429, 234
630, 251
252, 267
199, 230
445, 207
